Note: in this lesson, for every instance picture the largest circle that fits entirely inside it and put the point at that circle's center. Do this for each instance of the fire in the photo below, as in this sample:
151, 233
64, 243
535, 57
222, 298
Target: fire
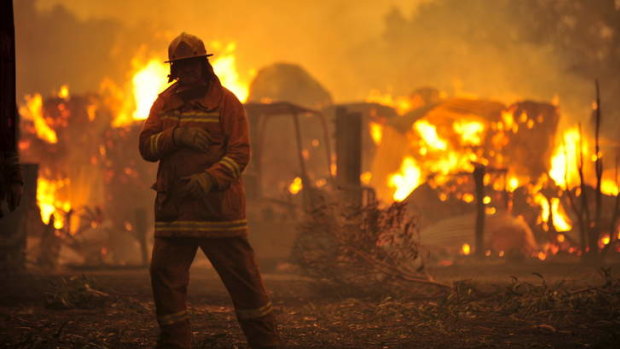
376, 132
150, 78
428, 132
401, 104
63, 93
47, 198
560, 220
466, 249
296, 186
565, 158
513, 183
147, 83
33, 111
609, 187
470, 132
405, 181
225, 66
366, 177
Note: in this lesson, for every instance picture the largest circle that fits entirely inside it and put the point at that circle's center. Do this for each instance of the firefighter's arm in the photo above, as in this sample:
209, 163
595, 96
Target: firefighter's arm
155, 142
234, 161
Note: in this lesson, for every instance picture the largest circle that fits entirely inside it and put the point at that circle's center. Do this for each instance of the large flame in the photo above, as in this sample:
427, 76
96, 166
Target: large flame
428, 132
565, 158
147, 83
150, 77
33, 111
48, 193
471, 132
225, 67
406, 180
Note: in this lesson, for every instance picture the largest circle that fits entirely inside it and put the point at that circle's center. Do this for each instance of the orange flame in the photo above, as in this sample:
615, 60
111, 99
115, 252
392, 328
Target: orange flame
47, 198
150, 78
565, 158
405, 181
465, 249
401, 104
63, 92
428, 132
471, 132
376, 132
33, 111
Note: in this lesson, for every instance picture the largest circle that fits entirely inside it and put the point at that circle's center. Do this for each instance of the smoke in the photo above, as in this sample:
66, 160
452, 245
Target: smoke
506, 49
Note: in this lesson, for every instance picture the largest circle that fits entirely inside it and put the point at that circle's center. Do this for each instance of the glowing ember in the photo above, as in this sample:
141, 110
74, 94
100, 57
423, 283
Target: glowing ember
466, 249
604, 241
406, 180
296, 186
63, 92
366, 177
467, 197
376, 132
33, 111
542, 255
428, 132
513, 184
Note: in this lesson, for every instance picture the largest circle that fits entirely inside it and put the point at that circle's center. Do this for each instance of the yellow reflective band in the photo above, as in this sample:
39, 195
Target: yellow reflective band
201, 226
203, 223
254, 313
231, 168
232, 165
153, 141
173, 318
192, 119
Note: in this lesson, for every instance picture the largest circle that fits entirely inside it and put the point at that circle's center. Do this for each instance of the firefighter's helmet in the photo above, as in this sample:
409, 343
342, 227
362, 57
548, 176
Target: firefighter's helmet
186, 46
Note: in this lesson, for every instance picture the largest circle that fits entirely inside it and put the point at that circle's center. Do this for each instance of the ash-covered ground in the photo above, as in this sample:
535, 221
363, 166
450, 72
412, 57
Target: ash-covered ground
528, 305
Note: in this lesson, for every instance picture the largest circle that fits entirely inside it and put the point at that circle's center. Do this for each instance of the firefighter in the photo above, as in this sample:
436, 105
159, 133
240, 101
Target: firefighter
197, 130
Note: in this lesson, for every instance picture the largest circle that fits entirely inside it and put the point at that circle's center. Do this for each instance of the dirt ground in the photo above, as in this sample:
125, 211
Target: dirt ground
489, 306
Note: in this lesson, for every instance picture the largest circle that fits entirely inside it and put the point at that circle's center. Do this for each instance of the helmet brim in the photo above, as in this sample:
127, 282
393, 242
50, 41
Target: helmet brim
186, 58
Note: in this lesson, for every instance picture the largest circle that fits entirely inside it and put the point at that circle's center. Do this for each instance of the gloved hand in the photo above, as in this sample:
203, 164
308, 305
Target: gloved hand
197, 185
191, 137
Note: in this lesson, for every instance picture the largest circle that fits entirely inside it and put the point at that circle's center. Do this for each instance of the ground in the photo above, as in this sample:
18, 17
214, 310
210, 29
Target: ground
524, 305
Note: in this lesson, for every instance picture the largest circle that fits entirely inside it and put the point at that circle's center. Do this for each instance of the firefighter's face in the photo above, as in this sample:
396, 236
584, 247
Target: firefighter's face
189, 71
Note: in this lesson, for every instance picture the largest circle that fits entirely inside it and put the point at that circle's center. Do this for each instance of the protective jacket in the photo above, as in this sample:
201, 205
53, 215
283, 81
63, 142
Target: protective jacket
220, 212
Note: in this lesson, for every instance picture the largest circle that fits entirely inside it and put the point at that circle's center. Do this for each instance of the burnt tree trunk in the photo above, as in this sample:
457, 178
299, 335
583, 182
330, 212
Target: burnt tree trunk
8, 108
479, 172
349, 155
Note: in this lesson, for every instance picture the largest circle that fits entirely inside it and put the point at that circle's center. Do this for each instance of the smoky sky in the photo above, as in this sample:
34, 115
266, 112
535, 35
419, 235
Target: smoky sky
504, 49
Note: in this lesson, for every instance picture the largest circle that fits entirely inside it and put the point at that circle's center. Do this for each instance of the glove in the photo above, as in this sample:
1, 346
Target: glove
191, 137
198, 185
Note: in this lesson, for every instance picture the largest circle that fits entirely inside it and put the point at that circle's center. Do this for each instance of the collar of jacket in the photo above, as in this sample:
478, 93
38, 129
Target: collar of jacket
211, 100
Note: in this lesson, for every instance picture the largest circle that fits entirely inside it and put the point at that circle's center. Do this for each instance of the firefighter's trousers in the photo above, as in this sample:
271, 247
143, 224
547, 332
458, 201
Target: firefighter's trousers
233, 259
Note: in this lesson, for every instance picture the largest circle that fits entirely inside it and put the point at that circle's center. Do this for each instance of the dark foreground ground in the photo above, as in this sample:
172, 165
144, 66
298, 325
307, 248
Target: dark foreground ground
490, 306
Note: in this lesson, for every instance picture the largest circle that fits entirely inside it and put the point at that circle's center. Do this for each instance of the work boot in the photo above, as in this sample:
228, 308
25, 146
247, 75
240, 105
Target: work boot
261, 333
175, 336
